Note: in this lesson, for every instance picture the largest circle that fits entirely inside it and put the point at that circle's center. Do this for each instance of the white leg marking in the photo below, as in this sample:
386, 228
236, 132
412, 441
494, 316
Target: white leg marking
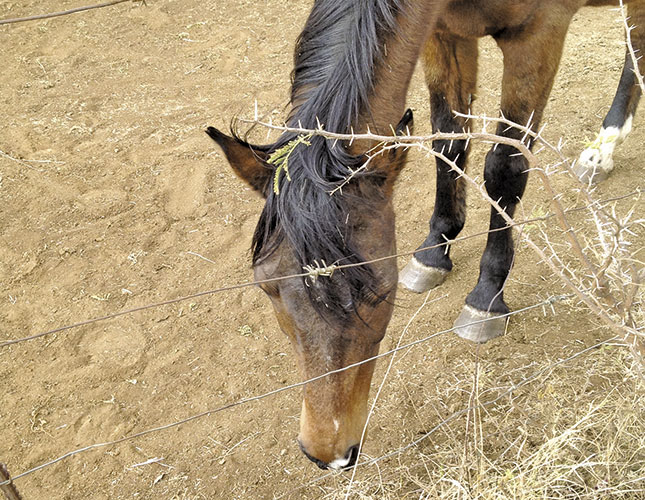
596, 161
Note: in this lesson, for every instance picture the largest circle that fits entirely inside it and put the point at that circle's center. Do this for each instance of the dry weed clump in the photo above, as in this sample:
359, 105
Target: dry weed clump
550, 439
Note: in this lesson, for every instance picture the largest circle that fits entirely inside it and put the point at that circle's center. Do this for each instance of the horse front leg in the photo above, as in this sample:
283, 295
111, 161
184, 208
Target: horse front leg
450, 66
596, 161
531, 58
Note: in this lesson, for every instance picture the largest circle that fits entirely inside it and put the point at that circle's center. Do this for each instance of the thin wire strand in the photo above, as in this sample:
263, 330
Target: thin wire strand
143, 308
301, 275
426, 302
550, 300
65, 12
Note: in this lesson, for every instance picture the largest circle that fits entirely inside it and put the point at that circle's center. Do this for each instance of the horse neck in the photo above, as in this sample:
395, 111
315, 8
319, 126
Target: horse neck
354, 61
393, 73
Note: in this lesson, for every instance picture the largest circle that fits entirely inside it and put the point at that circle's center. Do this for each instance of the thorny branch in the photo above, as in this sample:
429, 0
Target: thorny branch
606, 279
606, 263
630, 46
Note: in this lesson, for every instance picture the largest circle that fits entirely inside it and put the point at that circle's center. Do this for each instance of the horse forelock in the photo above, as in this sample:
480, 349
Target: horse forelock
334, 75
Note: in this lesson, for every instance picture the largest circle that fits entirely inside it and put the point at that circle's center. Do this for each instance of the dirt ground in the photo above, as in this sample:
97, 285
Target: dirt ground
112, 197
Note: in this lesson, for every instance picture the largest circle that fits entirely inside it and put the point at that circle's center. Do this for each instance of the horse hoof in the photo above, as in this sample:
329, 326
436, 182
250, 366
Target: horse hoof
593, 166
479, 326
596, 161
420, 278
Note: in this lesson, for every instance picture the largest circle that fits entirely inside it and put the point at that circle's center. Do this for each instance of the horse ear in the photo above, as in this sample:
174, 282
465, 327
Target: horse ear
398, 156
246, 160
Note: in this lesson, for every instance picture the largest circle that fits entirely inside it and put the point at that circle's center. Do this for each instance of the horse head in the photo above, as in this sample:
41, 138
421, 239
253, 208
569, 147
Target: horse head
334, 316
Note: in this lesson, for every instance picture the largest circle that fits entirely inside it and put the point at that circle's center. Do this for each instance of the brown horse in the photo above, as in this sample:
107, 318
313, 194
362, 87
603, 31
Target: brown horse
353, 64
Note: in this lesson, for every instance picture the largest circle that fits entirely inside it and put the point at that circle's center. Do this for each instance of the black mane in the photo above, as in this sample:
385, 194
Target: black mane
335, 62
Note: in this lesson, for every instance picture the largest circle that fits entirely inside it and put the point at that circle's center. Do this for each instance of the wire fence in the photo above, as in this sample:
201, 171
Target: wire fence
542, 304
315, 271
66, 12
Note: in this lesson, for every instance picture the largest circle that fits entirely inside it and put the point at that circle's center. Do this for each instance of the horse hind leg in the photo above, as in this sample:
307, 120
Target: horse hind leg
450, 66
596, 161
531, 59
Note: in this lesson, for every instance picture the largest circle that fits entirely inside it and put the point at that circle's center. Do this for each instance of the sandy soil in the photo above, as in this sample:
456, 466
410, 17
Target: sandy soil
112, 197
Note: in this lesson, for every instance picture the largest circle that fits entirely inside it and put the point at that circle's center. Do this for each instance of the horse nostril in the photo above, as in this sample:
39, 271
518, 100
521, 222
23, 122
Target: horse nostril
345, 463
352, 455
348, 461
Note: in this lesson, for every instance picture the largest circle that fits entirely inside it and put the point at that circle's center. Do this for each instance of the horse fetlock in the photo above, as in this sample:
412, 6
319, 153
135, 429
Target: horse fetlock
420, 278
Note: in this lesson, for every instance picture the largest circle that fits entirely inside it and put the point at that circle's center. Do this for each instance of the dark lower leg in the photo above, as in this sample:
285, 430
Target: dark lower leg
626, 99
596, 161
449, 212
531, 59
530, 63
629, 91
488, 294
506, 178
450, 66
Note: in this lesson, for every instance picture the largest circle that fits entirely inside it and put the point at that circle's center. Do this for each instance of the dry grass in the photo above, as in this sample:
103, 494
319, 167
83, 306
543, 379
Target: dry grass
551, 439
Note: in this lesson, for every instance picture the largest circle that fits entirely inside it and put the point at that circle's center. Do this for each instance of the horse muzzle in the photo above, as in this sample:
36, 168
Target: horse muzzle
349, 460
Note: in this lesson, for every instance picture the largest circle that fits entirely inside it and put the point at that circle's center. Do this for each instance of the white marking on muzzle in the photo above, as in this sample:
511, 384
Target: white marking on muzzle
340, 463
